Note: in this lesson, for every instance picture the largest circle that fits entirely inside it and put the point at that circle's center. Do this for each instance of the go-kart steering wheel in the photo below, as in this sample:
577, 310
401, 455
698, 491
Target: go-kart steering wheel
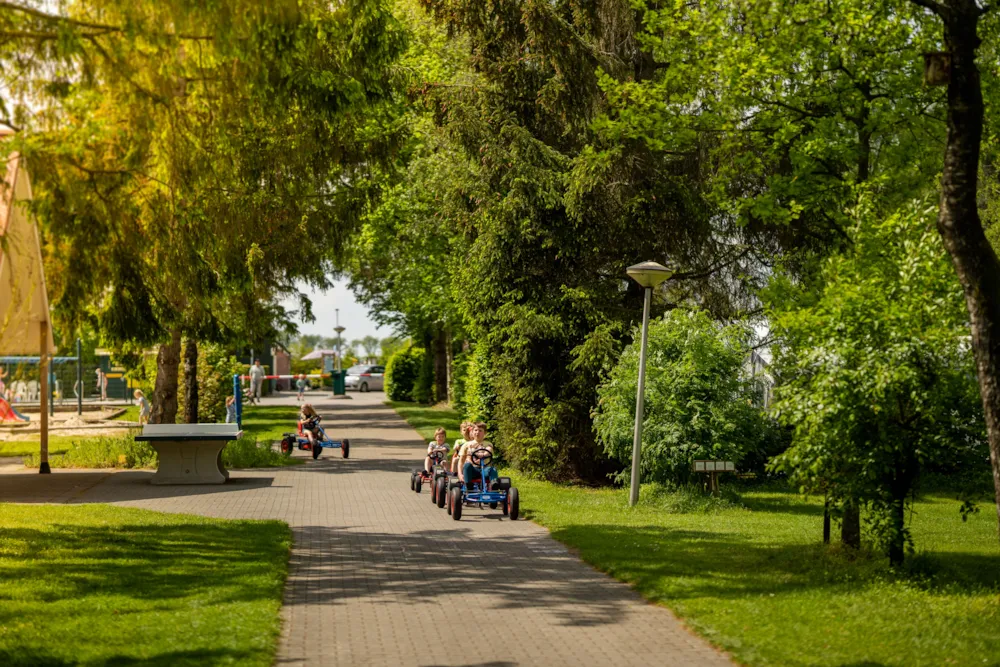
436, 456
482, 456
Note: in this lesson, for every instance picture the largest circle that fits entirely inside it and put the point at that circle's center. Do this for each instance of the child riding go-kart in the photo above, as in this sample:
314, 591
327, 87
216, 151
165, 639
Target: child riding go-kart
433, 468
482, 490
421, 476
311, 436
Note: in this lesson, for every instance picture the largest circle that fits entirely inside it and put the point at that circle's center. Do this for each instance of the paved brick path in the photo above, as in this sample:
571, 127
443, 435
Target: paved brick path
379, 576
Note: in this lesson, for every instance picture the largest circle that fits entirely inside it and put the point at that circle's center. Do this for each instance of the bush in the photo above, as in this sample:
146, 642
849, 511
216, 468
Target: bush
699, 402
459, 381
402, 371
216, 368
119, 451
423, 388
248, 452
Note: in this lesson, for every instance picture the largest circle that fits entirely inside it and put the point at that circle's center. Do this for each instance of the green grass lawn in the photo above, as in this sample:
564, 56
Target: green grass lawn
426, 419
131, 414
753, 577
57, 445
102, 585
269, 422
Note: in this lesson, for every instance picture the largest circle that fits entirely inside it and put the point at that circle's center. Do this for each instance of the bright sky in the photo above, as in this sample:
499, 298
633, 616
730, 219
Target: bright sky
353, 316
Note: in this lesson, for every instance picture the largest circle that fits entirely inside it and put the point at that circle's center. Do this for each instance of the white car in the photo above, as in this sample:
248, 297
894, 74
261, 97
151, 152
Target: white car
365, 377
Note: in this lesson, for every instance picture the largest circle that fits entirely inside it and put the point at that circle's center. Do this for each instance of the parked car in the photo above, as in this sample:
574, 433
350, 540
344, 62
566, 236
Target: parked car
365, 377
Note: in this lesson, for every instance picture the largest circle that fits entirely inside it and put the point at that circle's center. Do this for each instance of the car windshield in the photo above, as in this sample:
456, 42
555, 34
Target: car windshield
357, 370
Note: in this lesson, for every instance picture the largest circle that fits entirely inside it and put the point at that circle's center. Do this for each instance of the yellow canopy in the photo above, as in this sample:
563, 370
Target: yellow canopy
24, 303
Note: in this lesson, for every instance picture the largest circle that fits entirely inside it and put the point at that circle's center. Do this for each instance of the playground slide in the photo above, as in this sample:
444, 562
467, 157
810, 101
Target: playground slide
9, 414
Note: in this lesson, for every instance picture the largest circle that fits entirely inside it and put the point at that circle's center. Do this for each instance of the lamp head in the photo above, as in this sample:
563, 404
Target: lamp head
649, 274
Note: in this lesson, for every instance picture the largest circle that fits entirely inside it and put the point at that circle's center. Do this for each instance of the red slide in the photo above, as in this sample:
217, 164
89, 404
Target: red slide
9, 414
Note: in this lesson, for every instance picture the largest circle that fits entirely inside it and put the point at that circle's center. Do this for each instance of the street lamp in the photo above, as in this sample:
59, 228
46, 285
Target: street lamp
649, 275
339, 329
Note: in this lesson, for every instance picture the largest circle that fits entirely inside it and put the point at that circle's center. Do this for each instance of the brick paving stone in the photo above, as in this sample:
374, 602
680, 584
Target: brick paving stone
380, 576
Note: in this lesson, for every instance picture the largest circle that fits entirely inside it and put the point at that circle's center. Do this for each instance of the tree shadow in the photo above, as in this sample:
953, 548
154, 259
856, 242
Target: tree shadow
693, 564
337, 565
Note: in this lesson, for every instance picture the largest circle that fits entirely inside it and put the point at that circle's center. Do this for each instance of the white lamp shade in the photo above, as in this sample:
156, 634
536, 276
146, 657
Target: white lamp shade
649, 274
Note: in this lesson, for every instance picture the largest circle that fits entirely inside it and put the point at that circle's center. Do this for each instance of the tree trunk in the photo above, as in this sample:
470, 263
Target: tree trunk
165, 394
826, 521
191, 381
897, 541
958, 214
441, 365
850, 526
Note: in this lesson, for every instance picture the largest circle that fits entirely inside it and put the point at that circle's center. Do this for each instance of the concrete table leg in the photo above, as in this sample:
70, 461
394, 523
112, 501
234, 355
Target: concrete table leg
189, 462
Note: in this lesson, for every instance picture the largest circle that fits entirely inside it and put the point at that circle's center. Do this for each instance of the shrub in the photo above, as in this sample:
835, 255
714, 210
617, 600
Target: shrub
402, 371
248, 452
459, 381
699, 403
118, 451
423, 388
216, 368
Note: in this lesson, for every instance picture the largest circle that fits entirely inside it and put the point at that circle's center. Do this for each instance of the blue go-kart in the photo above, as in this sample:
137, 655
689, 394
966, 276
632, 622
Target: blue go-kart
292, 440
483, 492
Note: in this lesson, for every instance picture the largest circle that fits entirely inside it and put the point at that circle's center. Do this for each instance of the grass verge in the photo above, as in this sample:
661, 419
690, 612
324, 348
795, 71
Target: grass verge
749, 572
122, 451
753, 577
96, 584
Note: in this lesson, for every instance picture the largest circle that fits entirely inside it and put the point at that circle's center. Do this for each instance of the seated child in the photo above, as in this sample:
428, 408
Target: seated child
435, 445
464, 429
468, 464
309, 422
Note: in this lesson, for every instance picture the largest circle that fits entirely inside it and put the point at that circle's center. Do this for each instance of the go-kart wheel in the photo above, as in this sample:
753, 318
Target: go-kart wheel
456, 504
442, 491
434, 491
418, 483
494, 505
317, 450
513, 504
504, 507
345, 448
413, 480
447, 500
287, 445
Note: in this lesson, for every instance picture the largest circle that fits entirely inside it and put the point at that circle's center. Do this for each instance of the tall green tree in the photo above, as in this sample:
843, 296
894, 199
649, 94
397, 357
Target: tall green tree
204, 148
876, 371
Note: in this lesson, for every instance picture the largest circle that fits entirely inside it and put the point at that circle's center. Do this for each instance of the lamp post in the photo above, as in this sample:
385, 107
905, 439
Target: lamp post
339, 329
649, 275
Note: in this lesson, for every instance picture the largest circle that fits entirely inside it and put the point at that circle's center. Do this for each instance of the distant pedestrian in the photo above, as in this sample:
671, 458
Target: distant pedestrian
256, 380
102, 384
300, 384
145, 409
230, 409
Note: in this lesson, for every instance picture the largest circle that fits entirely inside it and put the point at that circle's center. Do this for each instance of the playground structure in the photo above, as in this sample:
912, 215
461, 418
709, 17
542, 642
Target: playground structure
24, 303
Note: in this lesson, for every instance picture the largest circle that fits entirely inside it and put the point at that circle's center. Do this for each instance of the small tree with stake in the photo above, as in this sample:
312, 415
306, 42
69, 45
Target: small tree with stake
878, 381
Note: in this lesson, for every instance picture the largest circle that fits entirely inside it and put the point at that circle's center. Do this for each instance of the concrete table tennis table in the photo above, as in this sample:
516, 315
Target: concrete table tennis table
189, 453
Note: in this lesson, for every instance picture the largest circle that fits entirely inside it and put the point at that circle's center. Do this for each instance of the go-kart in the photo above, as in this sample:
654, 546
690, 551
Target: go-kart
419, 476
482, 491
290, 441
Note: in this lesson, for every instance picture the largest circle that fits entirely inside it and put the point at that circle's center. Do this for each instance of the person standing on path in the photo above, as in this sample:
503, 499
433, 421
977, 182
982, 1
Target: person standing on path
300, 384
256, 380
145, 409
